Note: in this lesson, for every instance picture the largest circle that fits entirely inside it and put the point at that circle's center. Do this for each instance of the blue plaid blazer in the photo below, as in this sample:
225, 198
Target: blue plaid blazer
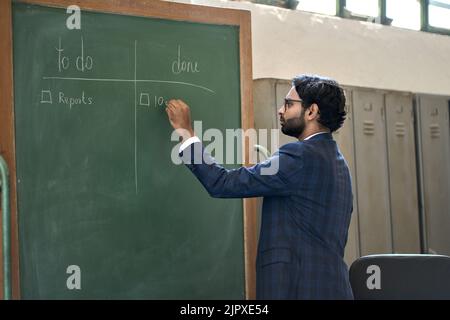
306, 214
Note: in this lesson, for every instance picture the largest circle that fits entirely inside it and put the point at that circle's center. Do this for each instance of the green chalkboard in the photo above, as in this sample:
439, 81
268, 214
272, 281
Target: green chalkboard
96, 186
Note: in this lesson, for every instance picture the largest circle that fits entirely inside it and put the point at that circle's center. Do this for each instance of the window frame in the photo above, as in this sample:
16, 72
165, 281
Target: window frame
425, 20
383, 19
342, 12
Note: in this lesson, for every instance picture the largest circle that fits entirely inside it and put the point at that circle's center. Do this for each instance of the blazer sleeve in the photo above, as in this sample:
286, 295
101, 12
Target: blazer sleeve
273, 177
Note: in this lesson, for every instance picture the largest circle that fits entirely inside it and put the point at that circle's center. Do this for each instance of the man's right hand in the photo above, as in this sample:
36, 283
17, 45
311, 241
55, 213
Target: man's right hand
179, 115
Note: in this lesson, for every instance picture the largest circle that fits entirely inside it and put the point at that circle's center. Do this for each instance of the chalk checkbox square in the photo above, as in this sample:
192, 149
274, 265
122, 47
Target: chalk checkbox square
144, 99
46, 96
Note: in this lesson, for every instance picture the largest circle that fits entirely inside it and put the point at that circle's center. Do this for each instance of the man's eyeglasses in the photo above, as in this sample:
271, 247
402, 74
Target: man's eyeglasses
289, 103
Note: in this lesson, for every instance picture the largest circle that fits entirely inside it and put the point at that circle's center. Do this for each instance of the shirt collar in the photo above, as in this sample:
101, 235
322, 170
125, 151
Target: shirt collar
315, 134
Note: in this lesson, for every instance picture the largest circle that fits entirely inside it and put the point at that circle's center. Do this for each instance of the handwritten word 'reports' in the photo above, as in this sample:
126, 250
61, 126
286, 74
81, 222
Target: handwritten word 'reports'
82, 62
181, 65
72, 101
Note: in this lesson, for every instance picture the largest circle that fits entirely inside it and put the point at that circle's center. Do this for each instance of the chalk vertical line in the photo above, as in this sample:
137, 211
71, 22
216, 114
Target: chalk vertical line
59, 57
82, 55
135, 121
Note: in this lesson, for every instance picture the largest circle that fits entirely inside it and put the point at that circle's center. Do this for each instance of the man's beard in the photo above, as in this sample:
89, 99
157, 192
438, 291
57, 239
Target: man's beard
294, 127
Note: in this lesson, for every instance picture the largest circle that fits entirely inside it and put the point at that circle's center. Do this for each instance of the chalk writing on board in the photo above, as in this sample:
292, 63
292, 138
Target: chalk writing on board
131, 80
83, 62
70, 101
46, 96
135, 118
62, 98
151, 101
63, 61
181, 65
144, 99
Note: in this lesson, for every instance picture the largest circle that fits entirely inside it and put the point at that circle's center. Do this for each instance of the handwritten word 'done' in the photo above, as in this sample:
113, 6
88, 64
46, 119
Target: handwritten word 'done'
182, 65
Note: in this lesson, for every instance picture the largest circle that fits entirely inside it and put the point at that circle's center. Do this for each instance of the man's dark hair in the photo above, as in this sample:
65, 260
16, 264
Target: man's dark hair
327, 94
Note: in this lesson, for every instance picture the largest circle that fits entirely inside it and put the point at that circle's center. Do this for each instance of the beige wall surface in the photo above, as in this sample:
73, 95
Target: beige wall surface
288, 42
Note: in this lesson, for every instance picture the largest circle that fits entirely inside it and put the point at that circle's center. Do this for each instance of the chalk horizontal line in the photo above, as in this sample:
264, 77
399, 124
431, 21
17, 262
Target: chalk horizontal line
129, 80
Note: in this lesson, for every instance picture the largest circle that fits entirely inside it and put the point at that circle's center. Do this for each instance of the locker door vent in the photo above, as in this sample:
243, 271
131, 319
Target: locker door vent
400, 129
369, 128
435, 131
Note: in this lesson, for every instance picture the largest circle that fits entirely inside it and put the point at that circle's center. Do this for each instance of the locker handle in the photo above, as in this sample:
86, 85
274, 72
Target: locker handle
435, 112
368, 108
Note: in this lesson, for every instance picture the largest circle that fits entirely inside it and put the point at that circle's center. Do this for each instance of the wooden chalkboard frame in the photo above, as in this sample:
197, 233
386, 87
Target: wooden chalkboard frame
144, 8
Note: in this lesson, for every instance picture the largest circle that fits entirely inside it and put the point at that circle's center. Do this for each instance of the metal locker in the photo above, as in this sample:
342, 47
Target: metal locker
434, 155
264, 100
344, 139
372, 172
402, 173
264, 117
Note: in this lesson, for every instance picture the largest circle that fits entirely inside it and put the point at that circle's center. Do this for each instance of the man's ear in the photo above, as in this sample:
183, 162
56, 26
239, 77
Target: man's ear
313, 111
